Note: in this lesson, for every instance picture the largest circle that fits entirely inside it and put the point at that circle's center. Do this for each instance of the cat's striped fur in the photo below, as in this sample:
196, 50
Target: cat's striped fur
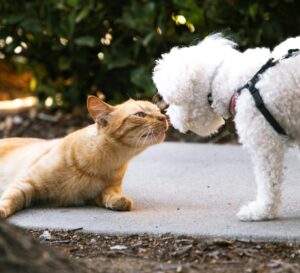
86, 166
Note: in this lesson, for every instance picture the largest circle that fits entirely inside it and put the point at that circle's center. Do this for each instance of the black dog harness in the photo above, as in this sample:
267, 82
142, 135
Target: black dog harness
250, 85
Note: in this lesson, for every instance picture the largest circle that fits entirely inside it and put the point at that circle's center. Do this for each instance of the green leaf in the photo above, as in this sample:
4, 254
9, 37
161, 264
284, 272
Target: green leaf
31, 25
72, 3
71, 23
253, 9
83, 13
117, 62
64, 63
141, 78
85, 41
13, 18
117, 57
148, 38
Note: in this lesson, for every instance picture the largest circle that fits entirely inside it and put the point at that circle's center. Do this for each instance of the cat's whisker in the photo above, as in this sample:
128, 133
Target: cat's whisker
151, 134
146, 138
139, 141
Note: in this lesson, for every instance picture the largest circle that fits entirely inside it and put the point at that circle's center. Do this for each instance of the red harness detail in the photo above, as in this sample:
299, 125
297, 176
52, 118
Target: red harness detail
232, 104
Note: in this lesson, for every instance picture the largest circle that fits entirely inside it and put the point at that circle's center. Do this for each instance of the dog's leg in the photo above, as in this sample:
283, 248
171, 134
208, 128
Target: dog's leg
268, 166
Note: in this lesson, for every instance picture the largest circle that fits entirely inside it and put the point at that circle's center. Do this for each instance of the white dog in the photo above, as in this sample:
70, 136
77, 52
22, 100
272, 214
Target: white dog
198, 82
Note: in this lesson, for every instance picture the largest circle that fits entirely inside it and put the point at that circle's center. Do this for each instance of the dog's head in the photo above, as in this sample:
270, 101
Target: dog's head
183, 77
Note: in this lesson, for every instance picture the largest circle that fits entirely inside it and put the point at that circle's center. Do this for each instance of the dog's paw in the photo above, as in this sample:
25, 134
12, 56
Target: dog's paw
256, 211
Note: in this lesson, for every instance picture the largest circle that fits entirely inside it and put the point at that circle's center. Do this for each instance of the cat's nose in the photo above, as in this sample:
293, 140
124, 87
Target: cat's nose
162, 118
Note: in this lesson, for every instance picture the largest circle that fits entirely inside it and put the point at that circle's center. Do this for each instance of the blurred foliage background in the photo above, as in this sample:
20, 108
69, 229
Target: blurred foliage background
65, 49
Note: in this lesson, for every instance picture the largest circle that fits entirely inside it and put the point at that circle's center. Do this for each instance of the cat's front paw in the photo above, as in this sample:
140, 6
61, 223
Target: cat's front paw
4, 212
120, 203
256, 211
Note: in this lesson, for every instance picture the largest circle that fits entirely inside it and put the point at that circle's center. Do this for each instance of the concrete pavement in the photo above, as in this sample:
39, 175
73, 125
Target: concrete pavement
192, 189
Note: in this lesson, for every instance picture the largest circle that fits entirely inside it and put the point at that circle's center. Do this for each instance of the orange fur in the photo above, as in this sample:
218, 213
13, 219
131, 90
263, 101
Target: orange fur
86, 166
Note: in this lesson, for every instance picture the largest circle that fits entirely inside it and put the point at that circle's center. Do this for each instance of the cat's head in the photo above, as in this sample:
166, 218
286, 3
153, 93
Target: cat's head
136, 124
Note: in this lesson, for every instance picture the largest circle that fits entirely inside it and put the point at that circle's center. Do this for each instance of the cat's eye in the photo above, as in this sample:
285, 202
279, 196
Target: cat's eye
140, 114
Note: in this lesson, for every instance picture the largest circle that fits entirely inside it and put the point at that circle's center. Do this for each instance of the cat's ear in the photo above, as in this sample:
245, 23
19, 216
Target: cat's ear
99, 110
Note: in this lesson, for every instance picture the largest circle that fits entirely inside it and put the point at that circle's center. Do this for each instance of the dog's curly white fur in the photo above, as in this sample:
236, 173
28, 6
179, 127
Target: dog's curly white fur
185, 76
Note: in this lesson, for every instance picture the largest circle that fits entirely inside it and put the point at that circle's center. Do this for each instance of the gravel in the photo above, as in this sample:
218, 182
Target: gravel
168, 253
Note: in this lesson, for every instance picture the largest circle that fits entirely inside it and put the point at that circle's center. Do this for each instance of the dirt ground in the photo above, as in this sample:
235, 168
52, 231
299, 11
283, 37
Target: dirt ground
167, 253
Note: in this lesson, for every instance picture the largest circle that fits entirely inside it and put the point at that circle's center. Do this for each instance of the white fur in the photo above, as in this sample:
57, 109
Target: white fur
185, 76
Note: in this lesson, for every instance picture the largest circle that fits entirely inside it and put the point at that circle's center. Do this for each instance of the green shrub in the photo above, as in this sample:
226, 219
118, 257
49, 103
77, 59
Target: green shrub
79, 47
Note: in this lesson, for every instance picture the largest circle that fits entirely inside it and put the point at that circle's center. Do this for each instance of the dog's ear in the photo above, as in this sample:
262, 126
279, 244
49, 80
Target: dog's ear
175, 76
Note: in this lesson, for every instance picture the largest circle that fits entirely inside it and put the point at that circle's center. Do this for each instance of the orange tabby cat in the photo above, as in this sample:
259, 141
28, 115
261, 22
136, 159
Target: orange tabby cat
85, 166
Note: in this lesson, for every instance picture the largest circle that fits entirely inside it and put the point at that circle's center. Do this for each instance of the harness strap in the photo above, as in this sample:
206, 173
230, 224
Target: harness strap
256, 95
265, 112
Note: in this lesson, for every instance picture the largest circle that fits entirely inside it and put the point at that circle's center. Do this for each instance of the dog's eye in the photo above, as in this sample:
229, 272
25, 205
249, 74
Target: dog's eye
140, 114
